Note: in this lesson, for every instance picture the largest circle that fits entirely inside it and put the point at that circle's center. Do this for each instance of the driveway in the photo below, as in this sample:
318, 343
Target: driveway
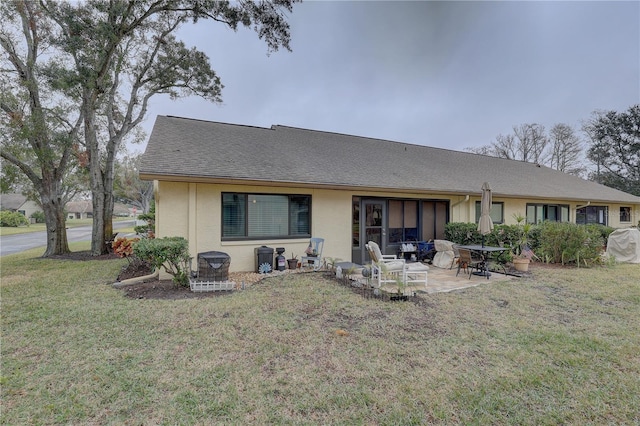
11, 244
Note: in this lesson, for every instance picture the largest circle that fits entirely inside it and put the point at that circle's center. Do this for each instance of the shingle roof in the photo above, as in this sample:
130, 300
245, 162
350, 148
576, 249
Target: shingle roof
187, 149
12, 201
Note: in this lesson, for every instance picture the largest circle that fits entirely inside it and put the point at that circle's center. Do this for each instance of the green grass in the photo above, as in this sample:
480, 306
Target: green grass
562, 348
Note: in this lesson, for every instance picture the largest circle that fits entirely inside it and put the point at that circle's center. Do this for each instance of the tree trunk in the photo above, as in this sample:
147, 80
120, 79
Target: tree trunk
53, 208
102, 195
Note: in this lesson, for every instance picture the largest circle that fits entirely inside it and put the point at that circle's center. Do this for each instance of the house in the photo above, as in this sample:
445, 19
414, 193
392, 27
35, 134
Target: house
234, 188
19, 203
83, 209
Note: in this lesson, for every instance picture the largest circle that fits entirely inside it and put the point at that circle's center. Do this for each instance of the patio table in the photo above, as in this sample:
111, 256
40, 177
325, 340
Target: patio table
487, 253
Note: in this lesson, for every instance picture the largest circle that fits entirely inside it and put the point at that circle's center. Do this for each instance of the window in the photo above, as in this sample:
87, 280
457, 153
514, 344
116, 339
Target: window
403, 220
497, 212
265, 216
537, 213
592, 214
625, 214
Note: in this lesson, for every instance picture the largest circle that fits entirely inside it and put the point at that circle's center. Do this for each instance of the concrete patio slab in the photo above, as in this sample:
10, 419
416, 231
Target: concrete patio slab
442, 280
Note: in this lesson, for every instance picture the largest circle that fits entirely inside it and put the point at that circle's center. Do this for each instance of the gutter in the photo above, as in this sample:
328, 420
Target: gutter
586, 205
466, 198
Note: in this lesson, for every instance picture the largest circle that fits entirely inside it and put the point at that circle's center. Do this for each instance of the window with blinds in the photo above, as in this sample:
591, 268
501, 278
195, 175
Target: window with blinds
265, 216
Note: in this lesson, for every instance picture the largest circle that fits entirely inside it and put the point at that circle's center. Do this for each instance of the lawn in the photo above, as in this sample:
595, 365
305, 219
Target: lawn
560, 348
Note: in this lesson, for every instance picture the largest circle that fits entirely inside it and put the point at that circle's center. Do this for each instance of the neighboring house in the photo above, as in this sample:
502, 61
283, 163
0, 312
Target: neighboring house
18, 203
234, 188
84, 210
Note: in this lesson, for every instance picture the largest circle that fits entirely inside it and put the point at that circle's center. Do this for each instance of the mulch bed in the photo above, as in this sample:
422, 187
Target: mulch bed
167, 290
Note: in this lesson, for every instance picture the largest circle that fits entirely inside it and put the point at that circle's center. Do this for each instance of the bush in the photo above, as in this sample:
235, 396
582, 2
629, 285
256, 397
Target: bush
38, 216
170, 253
148, 230
12, 219
123, 247
462, 233
570, 243
501, 236
603, 230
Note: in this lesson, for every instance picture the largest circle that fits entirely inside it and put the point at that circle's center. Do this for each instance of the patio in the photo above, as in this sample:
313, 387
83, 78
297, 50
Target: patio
440, 280
444, 280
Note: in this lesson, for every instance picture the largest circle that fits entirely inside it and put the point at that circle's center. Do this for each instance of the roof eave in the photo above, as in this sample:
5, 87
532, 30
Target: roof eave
351, 187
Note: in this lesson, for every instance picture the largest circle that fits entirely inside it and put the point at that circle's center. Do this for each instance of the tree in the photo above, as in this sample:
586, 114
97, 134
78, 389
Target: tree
112, 57
37, 128
129, 188
527, 143
615, 148
560, 150
566, 149
532, 142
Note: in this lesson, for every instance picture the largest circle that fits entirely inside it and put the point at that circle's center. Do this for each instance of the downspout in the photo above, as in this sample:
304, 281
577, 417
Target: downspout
466, 198
586, 205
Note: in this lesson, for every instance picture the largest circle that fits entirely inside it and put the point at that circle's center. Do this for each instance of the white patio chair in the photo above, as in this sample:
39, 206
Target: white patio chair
388, 269
313, 257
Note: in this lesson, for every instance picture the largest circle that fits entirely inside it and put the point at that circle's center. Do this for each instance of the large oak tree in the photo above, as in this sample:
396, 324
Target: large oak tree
109, 58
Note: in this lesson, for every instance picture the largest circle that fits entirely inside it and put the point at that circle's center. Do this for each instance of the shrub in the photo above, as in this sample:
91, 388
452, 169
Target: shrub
148, 230
603, 230
502, 235
38, 216
570, 243
12, 219
170, 253
462, 233
123, 246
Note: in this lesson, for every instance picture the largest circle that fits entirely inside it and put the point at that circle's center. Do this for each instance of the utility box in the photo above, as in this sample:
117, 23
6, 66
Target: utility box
213, 266
264, 259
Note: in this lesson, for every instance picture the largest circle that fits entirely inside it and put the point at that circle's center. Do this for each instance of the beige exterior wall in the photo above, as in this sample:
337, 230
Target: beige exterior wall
193, 211
29, 208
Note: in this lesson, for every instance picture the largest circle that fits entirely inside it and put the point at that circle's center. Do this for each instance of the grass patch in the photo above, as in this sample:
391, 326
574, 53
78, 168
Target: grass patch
300, 349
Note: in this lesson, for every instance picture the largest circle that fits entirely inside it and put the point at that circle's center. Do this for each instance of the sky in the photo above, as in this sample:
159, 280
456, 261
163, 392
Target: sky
445, 74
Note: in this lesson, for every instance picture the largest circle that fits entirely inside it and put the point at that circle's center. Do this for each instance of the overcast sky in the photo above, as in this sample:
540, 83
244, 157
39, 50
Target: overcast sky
444, 74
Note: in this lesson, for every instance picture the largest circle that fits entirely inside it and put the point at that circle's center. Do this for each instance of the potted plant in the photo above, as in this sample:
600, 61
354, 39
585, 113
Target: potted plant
521, 251
293, 262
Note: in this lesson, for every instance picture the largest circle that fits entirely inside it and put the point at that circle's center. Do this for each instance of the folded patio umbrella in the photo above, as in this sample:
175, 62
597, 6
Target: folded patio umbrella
485, 224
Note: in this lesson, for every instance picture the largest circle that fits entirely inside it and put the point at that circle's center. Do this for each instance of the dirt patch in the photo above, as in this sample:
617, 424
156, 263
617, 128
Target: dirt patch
167, 290
134, 269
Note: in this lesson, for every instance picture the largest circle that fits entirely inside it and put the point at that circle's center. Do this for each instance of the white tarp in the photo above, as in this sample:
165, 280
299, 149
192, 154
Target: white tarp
445, 254
624, 245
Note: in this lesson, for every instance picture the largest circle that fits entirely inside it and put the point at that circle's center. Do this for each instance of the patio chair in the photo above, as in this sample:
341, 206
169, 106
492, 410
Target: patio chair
389, 269
456, 256
313, 254
470, 260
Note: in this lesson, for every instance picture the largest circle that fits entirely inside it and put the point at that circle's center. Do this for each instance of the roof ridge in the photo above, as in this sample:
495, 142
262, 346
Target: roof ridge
275, 126
216, 122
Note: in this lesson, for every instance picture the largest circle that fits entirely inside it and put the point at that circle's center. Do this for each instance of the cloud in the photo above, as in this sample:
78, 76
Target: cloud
448, 74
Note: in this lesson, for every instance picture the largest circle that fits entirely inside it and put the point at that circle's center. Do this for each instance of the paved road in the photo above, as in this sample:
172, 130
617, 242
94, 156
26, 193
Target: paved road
10, 244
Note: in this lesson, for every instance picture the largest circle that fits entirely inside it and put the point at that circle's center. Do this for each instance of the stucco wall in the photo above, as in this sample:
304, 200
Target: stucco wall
193, 211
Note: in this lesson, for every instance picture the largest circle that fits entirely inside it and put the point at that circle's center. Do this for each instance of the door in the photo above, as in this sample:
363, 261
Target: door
374, 217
